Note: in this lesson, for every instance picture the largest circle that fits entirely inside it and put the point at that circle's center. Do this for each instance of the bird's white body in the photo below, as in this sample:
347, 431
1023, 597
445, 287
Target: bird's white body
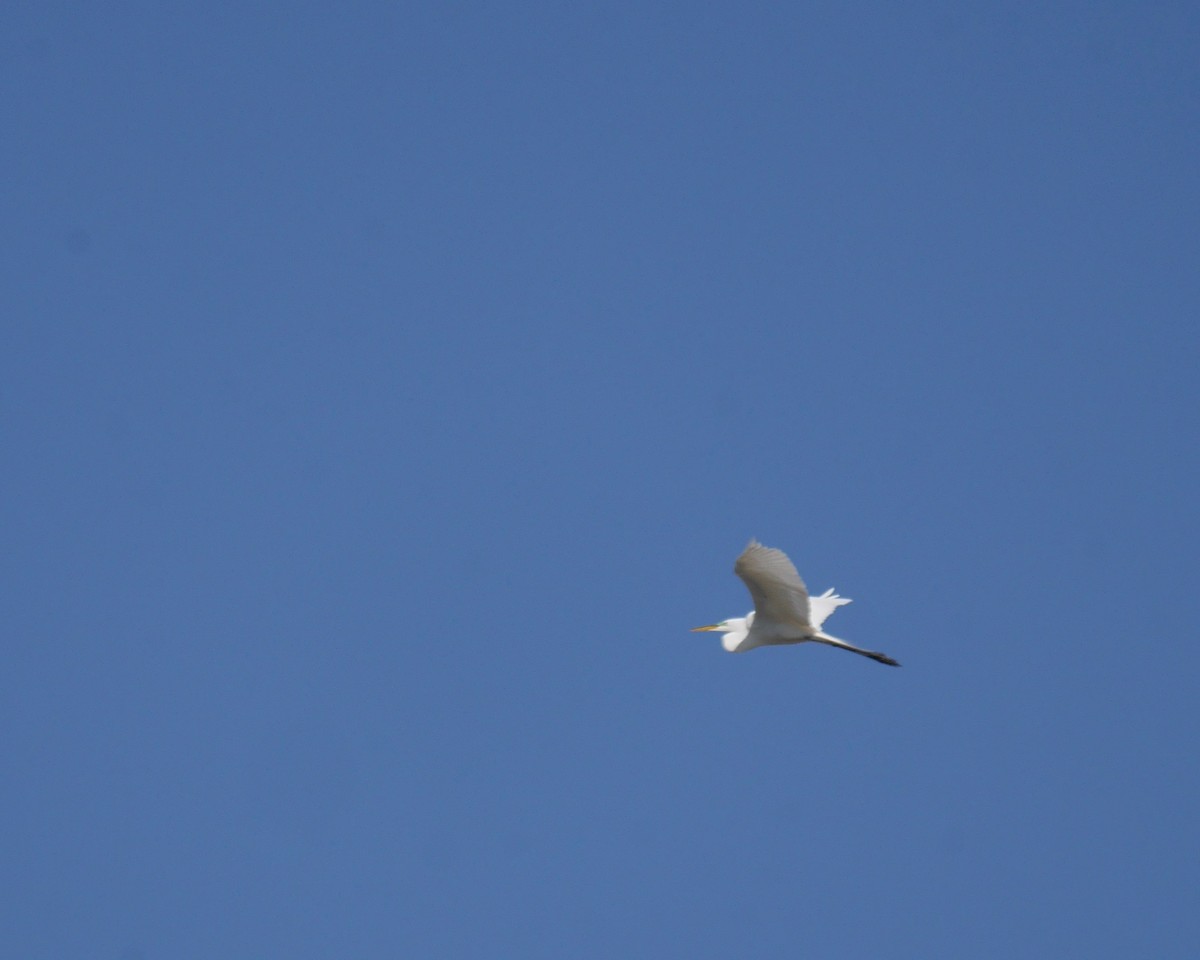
783, 611
742, 637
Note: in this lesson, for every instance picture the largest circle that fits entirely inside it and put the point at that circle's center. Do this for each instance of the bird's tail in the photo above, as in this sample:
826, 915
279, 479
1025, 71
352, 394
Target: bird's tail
835, 642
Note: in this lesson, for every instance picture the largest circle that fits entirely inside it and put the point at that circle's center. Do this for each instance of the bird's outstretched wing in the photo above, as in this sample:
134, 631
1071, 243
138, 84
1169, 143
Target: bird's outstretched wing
819, 608
779, 593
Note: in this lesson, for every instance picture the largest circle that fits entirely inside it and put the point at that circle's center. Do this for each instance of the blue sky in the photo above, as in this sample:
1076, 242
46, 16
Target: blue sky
386, 389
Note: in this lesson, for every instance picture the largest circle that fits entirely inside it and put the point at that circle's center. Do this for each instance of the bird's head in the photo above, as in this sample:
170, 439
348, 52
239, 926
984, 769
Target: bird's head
735, 630
732, 625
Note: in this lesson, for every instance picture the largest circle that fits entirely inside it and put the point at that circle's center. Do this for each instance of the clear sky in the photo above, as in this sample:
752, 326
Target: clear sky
386, 388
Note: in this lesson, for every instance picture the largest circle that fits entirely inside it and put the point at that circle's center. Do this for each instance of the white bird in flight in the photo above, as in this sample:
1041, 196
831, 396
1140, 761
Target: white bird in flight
783, 611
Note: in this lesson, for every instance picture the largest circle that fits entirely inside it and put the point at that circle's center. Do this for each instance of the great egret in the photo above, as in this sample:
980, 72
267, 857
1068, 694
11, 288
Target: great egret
783, 611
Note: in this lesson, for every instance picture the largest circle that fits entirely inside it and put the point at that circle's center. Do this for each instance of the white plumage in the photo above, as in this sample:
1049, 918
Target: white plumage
783, 611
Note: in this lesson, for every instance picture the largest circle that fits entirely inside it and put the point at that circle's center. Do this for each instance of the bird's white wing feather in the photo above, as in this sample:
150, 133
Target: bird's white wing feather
819, 608
779, 593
